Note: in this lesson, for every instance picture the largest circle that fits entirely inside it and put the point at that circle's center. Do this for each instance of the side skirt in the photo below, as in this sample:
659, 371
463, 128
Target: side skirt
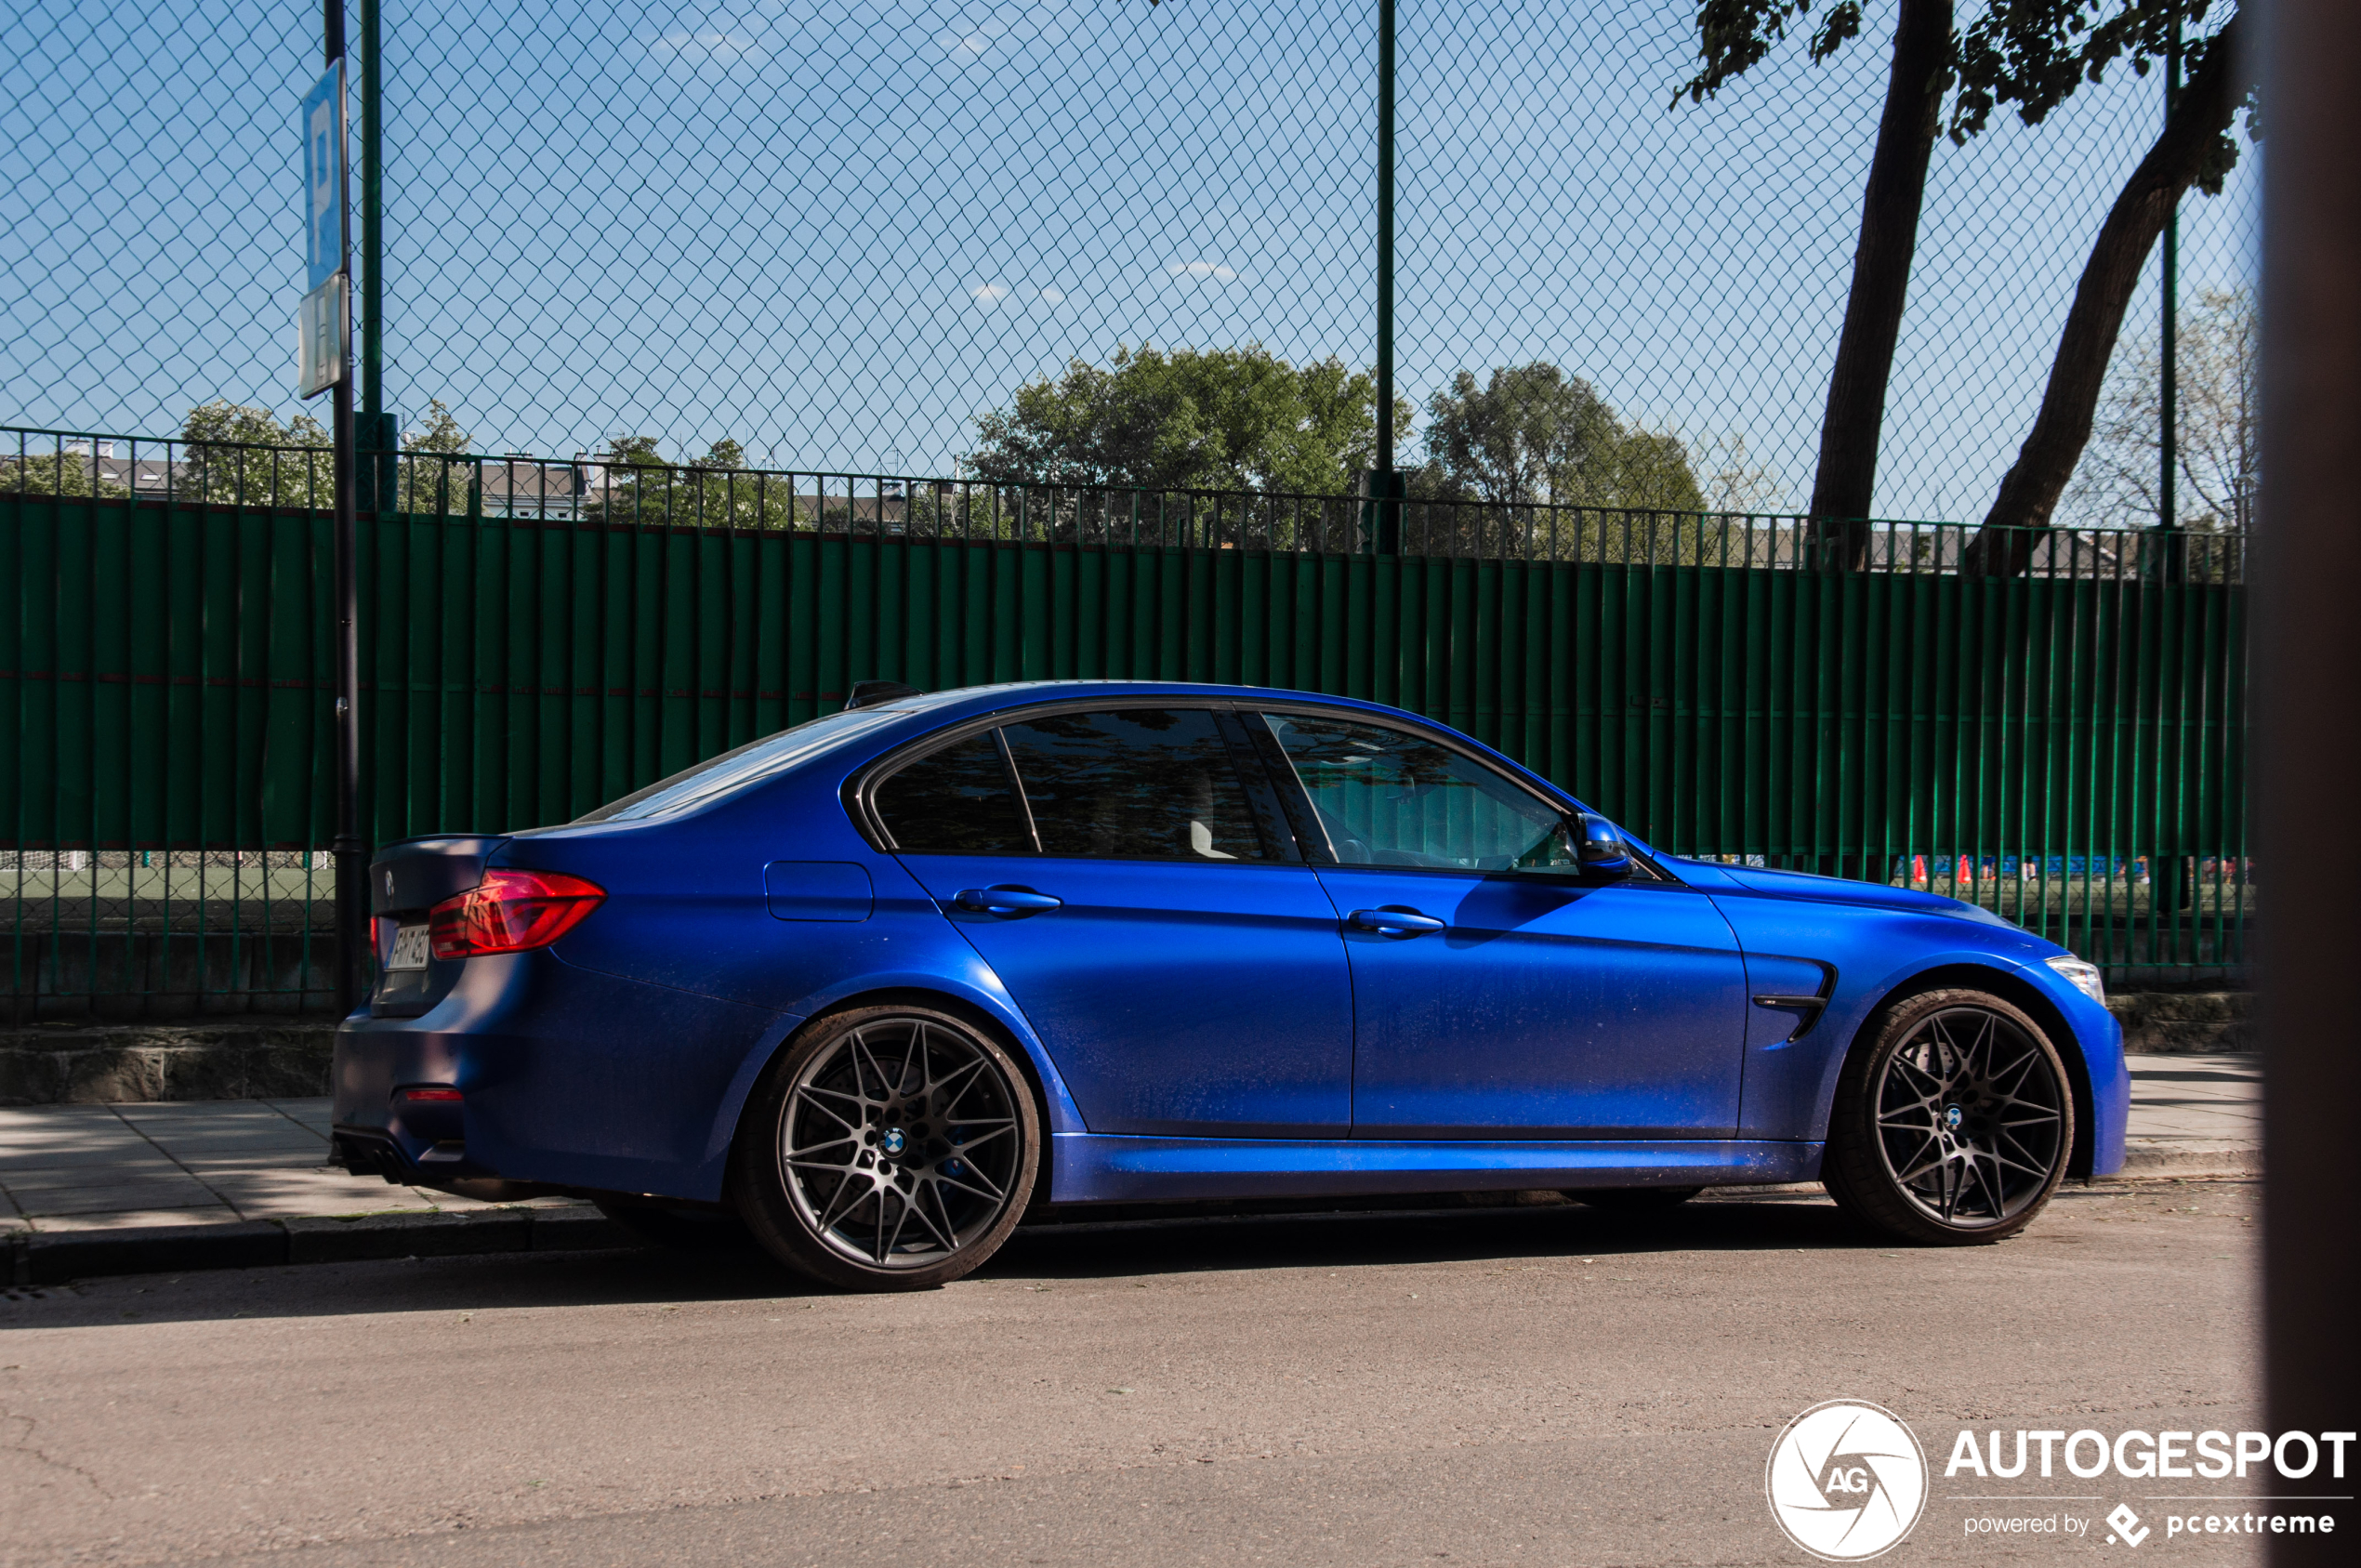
1101, 1168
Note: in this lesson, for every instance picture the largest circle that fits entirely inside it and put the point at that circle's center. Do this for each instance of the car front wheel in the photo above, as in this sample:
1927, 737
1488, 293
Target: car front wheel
1953, 1125
888, 1148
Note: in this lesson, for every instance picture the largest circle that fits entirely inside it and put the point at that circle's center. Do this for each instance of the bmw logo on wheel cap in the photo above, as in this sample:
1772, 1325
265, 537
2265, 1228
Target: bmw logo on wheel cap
893, 1143
1847, 1480
1952, 1116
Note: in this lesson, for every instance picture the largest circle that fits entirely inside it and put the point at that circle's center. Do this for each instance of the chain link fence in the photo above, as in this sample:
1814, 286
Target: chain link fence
840, 236
816, 288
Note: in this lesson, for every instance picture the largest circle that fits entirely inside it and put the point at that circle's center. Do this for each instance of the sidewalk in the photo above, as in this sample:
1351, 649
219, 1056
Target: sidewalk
103, 1188
2192, 1115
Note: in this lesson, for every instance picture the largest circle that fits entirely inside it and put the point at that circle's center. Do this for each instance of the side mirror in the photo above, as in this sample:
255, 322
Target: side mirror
1599, 848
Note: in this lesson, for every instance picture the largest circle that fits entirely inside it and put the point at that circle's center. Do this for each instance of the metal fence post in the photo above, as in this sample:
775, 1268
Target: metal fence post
351, 856
378, 433
2168, 357
1381, 514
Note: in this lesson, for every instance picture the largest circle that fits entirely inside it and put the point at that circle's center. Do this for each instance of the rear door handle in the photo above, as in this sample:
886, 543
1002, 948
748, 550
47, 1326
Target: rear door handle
1395, 922
1009, 903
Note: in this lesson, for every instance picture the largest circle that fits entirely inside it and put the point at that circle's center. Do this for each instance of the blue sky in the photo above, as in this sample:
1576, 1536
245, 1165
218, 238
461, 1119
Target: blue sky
838, 232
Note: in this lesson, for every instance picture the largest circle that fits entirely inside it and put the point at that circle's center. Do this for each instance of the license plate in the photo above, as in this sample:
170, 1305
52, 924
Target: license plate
409, 949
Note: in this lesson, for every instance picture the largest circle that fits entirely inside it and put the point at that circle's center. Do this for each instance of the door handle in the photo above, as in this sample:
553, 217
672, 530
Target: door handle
1395, 922
1011, 902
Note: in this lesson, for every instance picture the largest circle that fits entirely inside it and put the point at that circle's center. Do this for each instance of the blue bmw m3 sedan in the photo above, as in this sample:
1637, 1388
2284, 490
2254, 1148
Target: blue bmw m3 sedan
875, 986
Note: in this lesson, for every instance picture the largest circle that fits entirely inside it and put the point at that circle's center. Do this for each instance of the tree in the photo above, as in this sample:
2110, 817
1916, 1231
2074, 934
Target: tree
639, 484
243, 455
68, 468
431, 481
1733, 36
1532, 435
1189, 419
2034, 54
2216, 426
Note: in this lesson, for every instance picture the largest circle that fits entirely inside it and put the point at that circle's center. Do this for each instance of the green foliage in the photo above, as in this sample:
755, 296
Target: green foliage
1734, 35
1533, 435
2033, 54
58, 472
1189, 419
441, 432
428, 484
242, 455
637, 483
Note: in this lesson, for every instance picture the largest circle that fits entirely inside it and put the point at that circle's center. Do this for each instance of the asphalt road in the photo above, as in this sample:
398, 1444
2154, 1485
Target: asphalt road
1536, 1386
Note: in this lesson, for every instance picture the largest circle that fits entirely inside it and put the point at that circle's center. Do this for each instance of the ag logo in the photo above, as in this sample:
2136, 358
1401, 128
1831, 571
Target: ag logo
1846, 1481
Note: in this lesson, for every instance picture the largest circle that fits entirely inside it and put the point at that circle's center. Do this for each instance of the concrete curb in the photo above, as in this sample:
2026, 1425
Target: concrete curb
2144, 1158
112, 1064
53, 1257
2185, 1024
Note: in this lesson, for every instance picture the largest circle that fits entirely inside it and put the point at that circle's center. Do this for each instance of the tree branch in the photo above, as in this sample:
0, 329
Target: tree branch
2185, 151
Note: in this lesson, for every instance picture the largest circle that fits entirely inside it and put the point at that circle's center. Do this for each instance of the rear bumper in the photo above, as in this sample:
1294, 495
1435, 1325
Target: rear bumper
569, 1080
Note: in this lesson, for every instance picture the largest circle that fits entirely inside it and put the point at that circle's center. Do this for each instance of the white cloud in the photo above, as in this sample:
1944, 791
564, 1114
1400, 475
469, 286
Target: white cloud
1201, 270
1051, 296
989, 292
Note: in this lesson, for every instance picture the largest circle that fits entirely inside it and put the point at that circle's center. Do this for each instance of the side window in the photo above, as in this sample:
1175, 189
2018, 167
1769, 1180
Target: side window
1135, 783
955, 801
1386, 798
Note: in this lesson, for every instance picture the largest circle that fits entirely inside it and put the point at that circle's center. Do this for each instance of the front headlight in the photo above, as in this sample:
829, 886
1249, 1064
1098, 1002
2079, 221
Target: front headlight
2083, 977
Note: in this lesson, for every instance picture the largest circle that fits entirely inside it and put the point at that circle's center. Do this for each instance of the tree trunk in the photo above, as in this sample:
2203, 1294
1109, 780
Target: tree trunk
1846, 480
2019, 519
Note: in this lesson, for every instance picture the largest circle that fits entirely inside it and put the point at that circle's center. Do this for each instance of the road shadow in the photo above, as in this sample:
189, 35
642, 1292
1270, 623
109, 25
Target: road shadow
1069, 1248
1211, 1243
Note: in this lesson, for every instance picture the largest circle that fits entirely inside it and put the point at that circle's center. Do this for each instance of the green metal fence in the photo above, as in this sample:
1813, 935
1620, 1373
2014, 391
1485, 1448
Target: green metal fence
2067, 746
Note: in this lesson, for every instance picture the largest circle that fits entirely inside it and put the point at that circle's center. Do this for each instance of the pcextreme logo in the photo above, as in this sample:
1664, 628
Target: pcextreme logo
1847, 1480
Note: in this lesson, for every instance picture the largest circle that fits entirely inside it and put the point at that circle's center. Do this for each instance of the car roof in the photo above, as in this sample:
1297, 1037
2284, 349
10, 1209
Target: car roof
962, 701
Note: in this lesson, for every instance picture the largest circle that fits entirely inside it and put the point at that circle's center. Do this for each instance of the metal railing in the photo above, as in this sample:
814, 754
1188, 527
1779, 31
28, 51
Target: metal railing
641, 494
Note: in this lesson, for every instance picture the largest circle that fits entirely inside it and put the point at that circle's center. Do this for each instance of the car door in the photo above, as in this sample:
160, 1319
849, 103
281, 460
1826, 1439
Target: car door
1498, 991
1125, 874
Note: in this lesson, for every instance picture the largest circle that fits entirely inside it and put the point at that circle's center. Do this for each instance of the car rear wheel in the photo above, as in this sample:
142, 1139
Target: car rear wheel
1954, 1124
888, 1148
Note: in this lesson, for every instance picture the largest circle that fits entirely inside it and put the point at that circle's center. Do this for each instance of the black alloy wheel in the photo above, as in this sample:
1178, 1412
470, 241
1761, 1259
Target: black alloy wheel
887, 1149
1954, 1124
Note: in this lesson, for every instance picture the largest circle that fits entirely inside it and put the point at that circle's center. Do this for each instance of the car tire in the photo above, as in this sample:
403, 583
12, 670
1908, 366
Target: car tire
1953, 1121
1633, 1200
679, 1228
888, 1148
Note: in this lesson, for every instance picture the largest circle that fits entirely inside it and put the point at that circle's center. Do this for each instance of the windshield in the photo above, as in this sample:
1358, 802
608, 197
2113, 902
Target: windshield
733, 770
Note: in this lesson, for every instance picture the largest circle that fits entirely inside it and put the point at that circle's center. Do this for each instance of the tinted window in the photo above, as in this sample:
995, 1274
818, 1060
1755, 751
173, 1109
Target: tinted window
1391, 798
732, 770
955, 801
1136, 784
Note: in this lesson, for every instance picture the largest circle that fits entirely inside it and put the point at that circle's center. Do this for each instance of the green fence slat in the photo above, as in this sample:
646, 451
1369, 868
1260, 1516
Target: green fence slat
169, 679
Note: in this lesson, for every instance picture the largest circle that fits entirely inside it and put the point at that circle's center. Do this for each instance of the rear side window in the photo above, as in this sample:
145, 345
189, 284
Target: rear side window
955, 801
1135, 783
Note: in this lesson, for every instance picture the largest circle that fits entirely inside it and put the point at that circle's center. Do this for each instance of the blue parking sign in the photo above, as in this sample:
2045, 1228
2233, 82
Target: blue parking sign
324, 176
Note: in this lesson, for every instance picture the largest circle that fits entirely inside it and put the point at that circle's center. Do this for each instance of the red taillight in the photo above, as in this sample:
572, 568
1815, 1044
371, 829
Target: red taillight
413, 1096
511, 912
